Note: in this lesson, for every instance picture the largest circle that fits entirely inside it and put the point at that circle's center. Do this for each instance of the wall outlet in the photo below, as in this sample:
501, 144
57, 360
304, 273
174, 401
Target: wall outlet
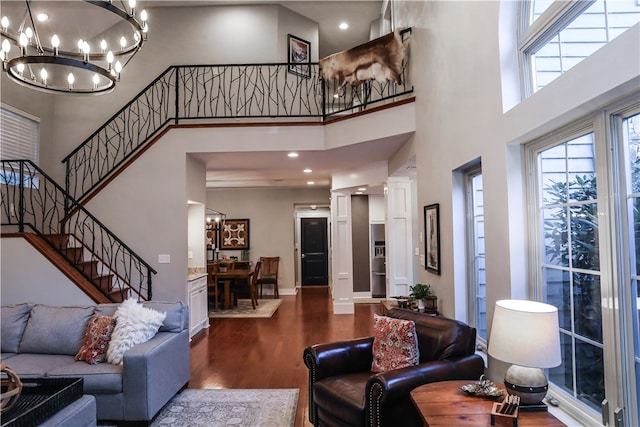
164, 259
190, 254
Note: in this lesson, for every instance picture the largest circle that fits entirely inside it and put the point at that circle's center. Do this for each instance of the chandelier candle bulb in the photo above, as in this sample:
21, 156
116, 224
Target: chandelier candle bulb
55, 42
103, 45
4, 23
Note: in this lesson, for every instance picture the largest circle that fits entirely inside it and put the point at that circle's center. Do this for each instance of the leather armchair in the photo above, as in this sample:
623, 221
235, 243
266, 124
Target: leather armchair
344, 392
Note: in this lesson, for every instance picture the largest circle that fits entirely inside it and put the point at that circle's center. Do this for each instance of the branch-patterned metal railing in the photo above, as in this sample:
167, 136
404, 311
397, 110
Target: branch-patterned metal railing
214, 92
30, 199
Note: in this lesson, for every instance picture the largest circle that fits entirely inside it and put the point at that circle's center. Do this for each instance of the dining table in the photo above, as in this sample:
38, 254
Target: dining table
229, 276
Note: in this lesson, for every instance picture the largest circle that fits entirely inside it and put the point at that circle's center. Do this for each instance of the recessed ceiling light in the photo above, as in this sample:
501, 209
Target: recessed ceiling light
362, 189
310, 182
343, 25
292, 154
42, 17
358, 192
307, 170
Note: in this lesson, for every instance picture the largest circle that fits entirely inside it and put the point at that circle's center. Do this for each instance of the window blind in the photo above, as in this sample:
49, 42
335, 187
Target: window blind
19, 135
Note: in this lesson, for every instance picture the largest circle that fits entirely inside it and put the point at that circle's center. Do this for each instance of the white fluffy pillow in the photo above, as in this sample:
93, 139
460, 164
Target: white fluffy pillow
135, 324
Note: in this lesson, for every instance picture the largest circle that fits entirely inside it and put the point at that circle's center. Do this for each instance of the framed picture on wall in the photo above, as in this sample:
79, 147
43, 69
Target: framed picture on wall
432, 238
299, 56
234, 234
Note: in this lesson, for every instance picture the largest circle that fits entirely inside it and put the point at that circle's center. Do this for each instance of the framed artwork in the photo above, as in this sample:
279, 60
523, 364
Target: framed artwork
234, 234
299, 53
432, 238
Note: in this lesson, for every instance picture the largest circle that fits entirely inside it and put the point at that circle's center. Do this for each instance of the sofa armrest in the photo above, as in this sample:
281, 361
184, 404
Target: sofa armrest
153, 372
393, 386
338, 358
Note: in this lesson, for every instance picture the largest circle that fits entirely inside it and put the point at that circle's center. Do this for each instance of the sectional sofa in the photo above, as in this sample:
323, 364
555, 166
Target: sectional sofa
42, 341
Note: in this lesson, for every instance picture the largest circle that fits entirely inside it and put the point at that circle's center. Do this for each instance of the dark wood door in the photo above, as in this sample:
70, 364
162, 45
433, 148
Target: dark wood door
314, 251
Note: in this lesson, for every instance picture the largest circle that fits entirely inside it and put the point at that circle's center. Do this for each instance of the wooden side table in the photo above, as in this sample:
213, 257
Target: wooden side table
443, 404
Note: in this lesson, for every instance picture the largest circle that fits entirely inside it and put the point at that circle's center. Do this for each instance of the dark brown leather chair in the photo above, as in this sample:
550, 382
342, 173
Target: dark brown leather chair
344, 392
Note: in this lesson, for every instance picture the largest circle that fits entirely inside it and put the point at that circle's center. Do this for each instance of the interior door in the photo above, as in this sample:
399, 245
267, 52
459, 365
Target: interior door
314, 253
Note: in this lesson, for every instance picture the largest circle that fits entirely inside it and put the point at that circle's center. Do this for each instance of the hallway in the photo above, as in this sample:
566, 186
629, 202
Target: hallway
267, 353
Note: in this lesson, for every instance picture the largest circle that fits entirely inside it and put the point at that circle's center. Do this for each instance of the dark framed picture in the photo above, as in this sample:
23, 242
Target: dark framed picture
299, 56
234, 234
432, 238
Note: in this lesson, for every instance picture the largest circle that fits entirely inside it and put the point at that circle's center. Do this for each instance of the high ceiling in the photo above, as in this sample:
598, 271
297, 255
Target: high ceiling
230, 170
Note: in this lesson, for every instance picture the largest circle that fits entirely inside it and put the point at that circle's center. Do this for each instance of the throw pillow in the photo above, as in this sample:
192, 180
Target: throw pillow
395, 344
96, 339
135, 325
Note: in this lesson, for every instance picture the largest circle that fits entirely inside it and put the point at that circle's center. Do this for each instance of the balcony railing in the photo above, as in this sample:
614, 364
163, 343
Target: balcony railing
29, 199
204, 93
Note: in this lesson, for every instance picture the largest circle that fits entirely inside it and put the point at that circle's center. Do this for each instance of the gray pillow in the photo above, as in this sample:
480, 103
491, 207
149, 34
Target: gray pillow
55, 330
177, 318
13, 319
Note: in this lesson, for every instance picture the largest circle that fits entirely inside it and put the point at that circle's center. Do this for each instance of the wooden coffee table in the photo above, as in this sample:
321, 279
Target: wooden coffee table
443, 404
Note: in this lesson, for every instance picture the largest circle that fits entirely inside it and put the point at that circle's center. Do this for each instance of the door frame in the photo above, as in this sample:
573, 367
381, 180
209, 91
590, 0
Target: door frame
306, 211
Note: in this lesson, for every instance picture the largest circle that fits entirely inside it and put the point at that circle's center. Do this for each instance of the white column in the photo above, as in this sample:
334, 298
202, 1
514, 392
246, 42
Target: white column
341, 253
399, 237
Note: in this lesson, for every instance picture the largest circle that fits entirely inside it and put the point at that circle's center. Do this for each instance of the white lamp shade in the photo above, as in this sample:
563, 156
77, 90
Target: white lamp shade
525, 333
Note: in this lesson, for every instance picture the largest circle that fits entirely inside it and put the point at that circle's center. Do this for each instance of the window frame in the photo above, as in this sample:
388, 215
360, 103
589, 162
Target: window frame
471, 240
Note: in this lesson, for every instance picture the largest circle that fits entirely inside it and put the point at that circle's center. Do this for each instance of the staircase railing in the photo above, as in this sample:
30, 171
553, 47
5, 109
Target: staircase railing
30, 199
214, 92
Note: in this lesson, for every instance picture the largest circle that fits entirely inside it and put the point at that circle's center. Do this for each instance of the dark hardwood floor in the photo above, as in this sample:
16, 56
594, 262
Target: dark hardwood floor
267, 353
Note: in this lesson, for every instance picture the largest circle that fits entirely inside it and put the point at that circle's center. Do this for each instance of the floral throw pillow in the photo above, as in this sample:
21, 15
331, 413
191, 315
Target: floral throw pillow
96, 339
395, 344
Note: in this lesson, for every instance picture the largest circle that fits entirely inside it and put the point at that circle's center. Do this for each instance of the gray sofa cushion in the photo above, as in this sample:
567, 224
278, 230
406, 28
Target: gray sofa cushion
55, 330
13, 319
100, 378
31, 365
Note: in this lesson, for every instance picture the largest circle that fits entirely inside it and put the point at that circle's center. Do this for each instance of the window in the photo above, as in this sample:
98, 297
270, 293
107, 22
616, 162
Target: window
559, 34
570, 268
476, 254
581, 190
19, 140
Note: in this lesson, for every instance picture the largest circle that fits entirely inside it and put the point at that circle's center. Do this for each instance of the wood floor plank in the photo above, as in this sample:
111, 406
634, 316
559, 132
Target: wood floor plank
267, 353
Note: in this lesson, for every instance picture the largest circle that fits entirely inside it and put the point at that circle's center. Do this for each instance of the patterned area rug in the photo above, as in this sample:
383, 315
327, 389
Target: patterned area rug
243, 408
265, 308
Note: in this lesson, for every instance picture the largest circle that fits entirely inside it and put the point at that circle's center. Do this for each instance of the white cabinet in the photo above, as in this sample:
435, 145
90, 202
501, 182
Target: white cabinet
198, 310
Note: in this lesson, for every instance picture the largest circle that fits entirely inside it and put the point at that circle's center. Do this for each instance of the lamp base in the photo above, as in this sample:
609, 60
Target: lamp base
530, 384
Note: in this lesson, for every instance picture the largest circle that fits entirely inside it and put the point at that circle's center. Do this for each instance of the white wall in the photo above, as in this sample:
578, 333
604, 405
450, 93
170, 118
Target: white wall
34, 278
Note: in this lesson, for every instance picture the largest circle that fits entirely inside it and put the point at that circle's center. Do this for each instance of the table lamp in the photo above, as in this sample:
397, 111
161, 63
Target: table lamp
526, 334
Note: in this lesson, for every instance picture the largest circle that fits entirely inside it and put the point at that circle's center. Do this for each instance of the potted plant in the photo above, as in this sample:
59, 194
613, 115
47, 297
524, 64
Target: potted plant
222, 266
426, 300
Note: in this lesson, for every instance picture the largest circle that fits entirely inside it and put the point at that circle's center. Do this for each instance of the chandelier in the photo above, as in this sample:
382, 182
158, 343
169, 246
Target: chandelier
93, 42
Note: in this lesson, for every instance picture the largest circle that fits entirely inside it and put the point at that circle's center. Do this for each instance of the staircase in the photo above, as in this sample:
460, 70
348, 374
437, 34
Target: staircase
92, 256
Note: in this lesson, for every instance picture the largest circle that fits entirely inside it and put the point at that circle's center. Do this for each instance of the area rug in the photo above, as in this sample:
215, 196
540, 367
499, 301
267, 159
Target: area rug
241, 407
265, 308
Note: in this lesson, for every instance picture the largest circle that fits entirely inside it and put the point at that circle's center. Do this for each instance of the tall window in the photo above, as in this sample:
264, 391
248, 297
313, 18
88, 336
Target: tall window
476, 254
581, 266
557, 35
570, 268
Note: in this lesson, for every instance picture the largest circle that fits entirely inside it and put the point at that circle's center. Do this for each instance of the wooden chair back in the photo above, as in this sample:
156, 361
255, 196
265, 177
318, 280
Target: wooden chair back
269, 266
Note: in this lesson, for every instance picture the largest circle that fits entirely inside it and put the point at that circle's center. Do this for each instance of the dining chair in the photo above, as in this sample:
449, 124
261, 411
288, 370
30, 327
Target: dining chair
240, 286
212, 285
269, 274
